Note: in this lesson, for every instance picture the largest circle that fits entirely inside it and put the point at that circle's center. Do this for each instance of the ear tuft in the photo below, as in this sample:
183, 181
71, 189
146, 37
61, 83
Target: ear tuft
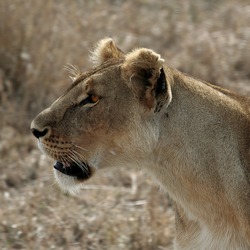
105, 50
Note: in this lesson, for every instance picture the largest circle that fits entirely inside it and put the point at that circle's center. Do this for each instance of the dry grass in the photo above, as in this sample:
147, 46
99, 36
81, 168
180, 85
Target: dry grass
118, 209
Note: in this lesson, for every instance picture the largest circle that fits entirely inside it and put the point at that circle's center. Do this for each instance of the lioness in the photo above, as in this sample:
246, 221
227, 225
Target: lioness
192, 137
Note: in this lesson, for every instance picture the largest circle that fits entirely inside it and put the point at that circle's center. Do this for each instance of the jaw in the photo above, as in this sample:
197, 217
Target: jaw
68, 184
73, 184
71, 178
70, 173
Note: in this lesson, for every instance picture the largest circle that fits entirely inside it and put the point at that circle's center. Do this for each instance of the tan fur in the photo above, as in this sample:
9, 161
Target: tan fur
192, 137
105, 50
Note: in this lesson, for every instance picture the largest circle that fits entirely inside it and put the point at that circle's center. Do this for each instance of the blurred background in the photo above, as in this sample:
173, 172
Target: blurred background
117, 209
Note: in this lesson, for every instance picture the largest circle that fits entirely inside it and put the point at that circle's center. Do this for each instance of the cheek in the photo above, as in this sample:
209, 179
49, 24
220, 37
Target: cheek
116, 117
100, 122
92, 146
86, 140
105, 119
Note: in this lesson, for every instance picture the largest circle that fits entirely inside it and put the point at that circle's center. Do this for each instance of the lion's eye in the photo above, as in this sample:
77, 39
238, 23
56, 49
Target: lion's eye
90, 99
94, 98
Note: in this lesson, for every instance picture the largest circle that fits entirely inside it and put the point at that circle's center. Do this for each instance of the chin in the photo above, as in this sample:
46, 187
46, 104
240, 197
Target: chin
68, 184
71, 178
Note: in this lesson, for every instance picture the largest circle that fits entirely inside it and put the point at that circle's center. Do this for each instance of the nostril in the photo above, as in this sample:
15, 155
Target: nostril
38, 133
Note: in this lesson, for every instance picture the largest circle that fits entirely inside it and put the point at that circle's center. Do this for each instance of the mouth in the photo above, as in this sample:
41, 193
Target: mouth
81, 171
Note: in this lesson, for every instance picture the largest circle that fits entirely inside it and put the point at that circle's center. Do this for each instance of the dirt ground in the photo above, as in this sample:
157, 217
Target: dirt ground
117, 208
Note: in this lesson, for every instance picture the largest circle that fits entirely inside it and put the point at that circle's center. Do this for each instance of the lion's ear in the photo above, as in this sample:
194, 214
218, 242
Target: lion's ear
105, 50
142, 61
144, 69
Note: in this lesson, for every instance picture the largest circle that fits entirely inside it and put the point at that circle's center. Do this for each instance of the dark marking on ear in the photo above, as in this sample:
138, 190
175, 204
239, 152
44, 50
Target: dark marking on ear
161, 85
158, 107
161, 89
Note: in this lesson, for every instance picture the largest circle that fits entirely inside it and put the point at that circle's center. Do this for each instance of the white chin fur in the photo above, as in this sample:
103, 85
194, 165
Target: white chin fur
68, 184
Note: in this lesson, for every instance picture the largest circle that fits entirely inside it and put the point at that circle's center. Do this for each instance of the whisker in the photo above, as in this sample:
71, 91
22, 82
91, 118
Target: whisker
74, 67
79, 147
80, 165
81, 157
75, 158
71, 156
74, 71
77, 155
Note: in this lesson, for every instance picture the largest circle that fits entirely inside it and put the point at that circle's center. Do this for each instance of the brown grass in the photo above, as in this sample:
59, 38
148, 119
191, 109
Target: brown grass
118, 209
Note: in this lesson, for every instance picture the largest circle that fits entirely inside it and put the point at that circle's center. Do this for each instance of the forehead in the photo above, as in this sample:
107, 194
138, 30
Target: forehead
107, 66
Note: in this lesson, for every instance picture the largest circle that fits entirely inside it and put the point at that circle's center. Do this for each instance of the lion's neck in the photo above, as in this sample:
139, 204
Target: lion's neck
197, 157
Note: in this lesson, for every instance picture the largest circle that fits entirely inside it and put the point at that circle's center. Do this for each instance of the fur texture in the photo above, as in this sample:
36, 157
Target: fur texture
192, 137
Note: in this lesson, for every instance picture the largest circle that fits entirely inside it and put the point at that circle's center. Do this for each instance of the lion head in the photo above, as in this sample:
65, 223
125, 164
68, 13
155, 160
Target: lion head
107, 117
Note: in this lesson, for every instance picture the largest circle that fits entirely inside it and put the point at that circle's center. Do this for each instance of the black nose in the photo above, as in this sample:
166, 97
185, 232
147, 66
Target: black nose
38, 133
